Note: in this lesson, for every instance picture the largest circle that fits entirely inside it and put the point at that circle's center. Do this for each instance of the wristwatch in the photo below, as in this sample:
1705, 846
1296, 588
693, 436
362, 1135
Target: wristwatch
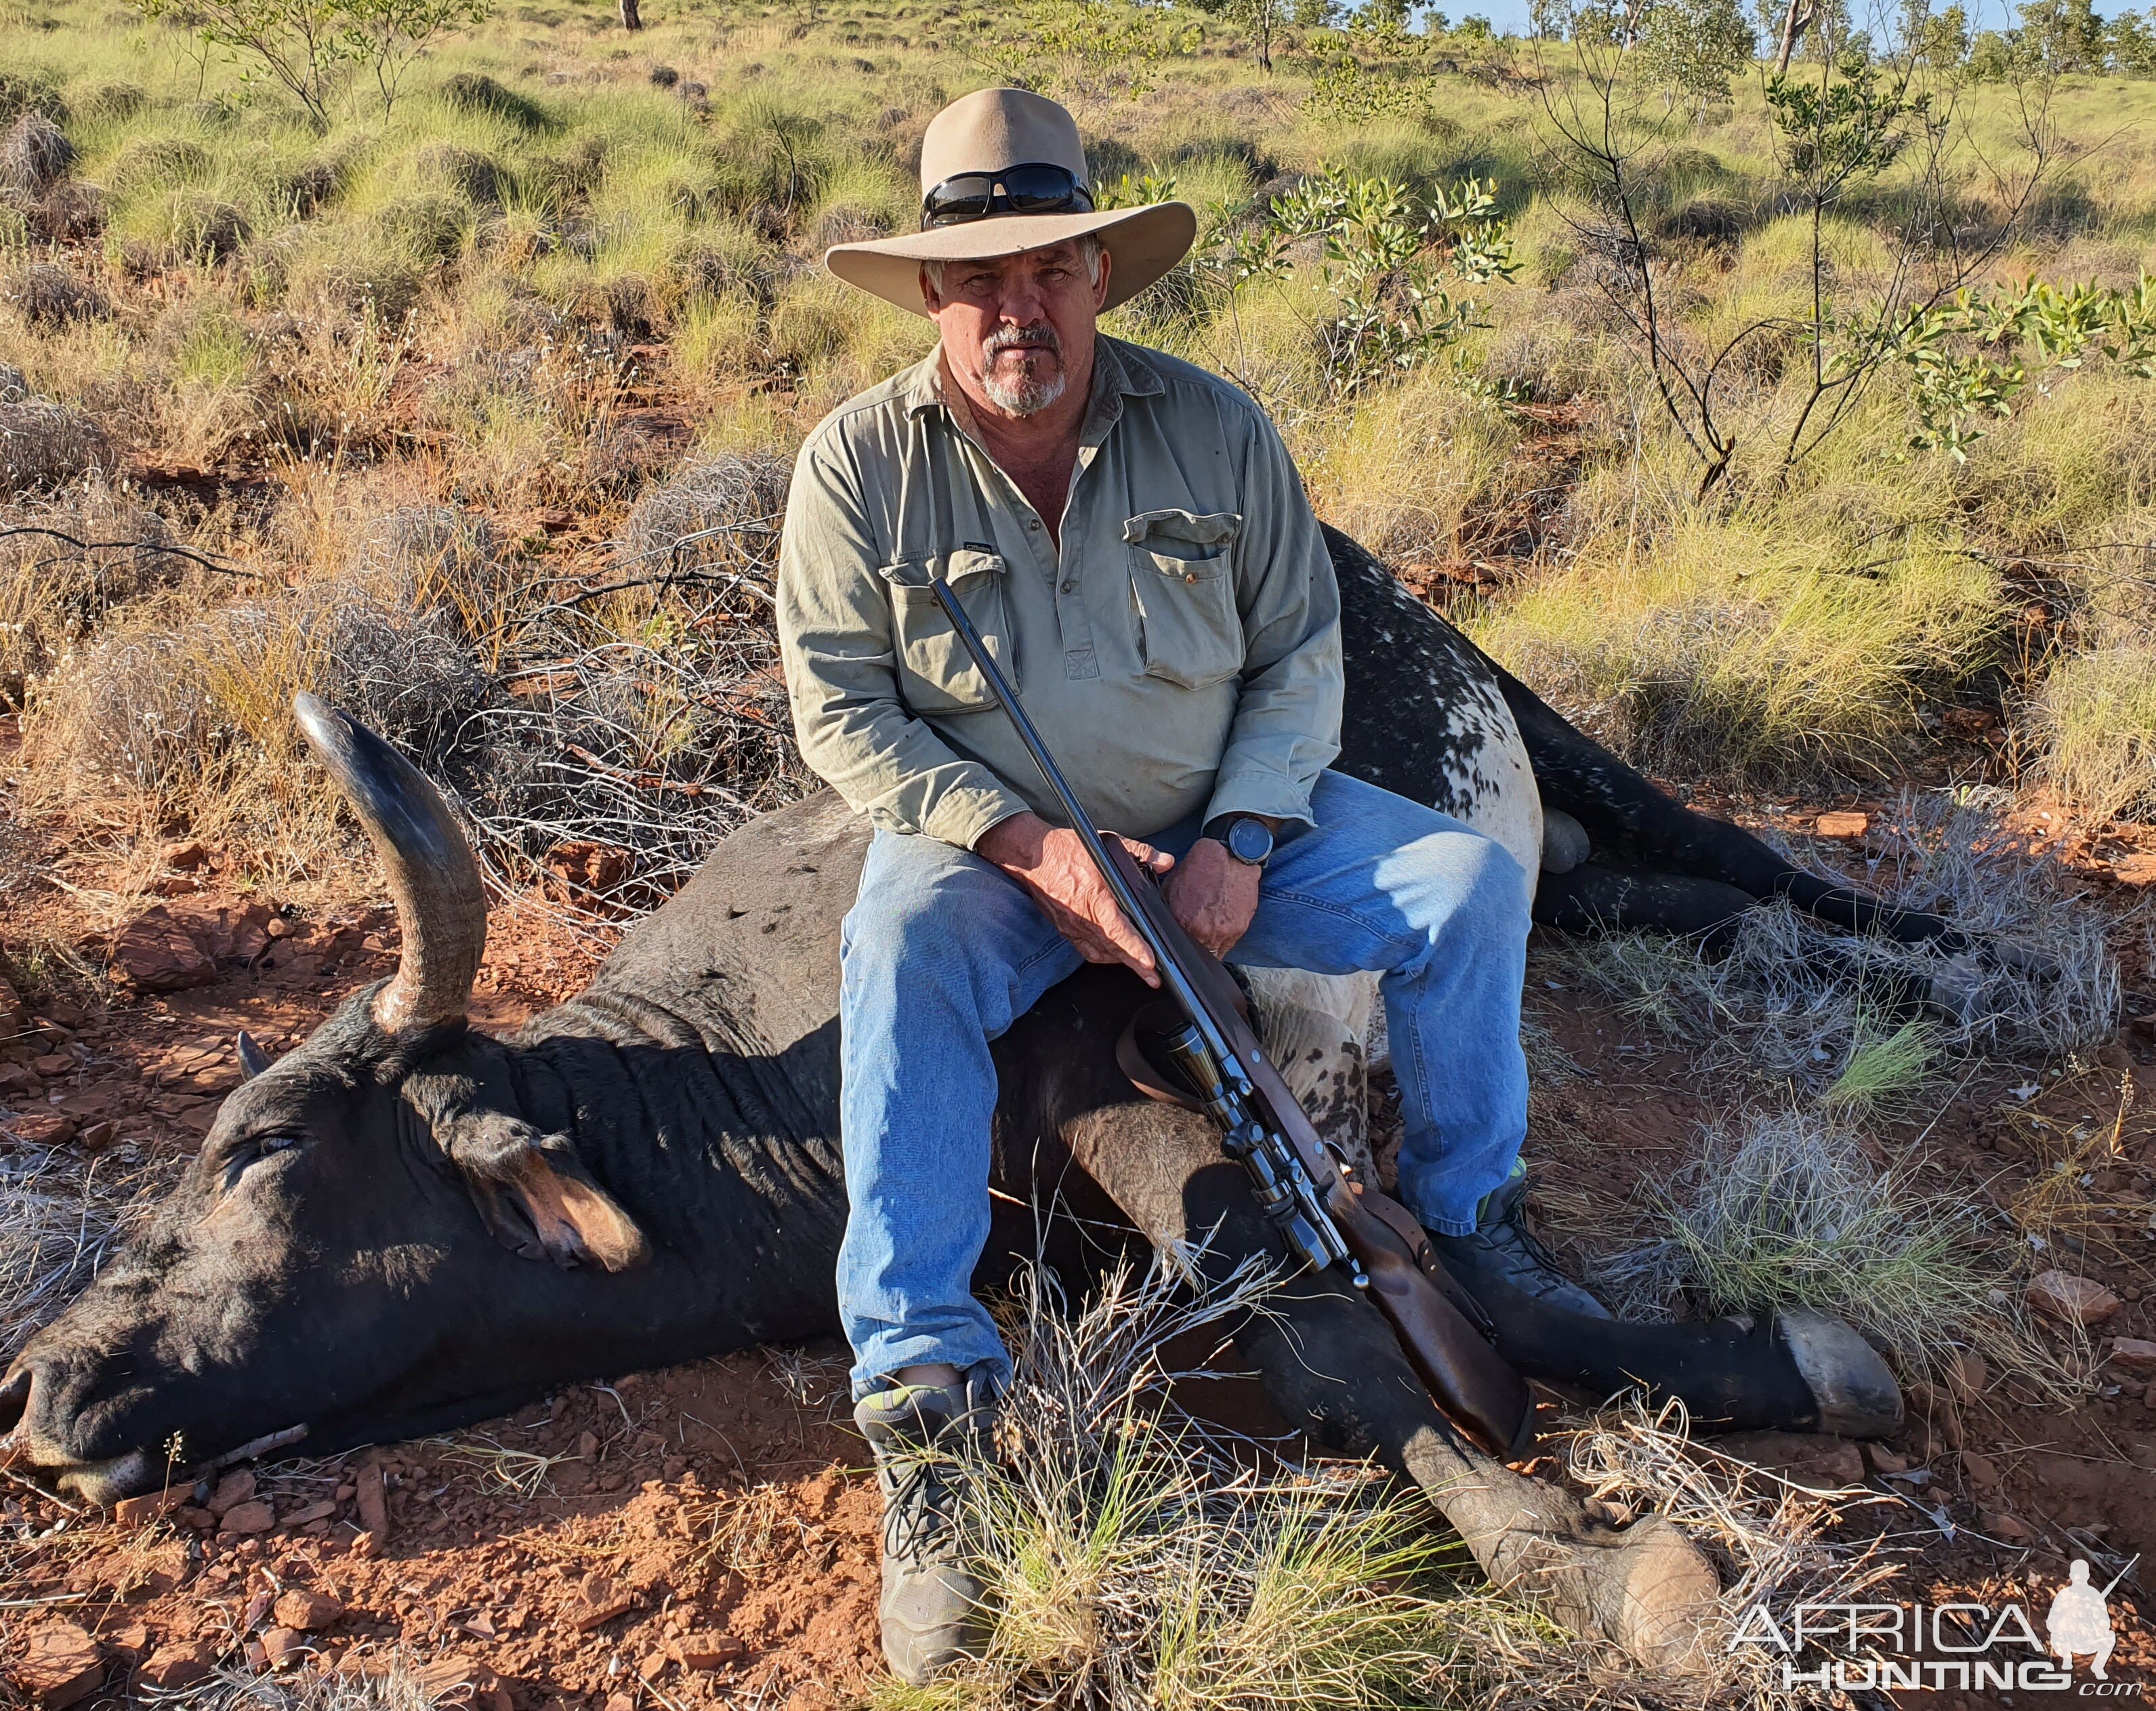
1249, 839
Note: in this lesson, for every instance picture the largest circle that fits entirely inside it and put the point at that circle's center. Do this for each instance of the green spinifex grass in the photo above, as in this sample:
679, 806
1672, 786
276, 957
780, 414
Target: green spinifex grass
1784, 1208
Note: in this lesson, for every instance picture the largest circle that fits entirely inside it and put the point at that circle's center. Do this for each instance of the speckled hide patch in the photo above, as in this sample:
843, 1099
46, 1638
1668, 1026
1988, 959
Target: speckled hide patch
1425, 717
1313, 1027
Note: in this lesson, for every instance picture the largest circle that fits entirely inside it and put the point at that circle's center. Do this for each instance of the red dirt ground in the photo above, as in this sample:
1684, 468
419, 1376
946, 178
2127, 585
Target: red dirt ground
705, 1536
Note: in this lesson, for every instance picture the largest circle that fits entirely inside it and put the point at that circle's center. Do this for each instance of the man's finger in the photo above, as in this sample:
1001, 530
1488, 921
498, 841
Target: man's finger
1154, 861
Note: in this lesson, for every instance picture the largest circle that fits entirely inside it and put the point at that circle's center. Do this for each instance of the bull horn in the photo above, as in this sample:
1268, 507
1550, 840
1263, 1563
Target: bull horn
432, 879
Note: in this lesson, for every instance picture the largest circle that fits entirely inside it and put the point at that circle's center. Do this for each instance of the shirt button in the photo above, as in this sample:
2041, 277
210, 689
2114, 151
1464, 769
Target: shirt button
1070, 586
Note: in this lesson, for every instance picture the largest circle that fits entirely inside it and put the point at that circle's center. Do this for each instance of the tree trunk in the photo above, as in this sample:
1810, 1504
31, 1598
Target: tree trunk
1795, 22
631, 18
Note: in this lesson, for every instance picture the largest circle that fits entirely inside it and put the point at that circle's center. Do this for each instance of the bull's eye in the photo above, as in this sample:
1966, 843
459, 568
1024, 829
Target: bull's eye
253, 1151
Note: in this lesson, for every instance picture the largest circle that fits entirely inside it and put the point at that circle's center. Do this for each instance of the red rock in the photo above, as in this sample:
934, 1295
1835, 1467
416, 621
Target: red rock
185, 857
217, 924
94, 1137
1808, 1457
1840, 824
139, 1511
157, 954
49, 1064
602, 1609
200, 1520
1982, 1471
255, 1517
307, 1517
178, 1663
20, 1079
1966, 1374
60, 1665
42, 1128
706, 1651
11, 1009
232, 1490
2133, 1356
307, 1610
283, 1648
2078, 1301
129, 1642
2005, 1526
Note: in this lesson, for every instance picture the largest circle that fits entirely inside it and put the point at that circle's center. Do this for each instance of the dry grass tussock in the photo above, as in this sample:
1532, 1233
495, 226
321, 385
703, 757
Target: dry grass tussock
396, 1687
61, 1217
632, 716
1139, 1557
1864, 1023
1783, 1207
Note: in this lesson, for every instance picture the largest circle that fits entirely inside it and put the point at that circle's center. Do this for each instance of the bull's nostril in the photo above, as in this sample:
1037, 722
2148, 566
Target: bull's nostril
14, 1398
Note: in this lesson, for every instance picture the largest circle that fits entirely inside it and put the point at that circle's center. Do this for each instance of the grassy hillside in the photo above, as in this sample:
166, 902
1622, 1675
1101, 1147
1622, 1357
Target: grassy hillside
400, 374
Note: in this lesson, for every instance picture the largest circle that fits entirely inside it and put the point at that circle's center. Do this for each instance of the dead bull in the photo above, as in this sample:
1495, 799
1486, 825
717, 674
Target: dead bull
657, 1163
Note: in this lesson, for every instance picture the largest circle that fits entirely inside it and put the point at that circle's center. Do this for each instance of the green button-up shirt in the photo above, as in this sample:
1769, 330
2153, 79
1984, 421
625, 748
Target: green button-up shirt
1181, 651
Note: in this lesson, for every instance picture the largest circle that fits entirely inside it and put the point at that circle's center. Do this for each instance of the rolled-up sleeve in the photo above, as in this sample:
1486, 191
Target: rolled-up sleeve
835, 640
1286, 728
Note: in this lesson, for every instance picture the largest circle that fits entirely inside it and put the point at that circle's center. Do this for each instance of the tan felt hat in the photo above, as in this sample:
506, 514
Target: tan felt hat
987, 131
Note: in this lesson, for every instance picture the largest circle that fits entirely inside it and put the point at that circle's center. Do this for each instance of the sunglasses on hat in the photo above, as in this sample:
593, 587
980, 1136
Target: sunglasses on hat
1030, 187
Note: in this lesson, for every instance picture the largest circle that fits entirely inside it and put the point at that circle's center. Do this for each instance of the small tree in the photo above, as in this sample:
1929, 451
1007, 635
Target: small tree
1692, 48
298, 45
390, 35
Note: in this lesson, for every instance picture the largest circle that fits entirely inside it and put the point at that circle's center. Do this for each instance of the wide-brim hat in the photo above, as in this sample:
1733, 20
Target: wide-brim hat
987, 131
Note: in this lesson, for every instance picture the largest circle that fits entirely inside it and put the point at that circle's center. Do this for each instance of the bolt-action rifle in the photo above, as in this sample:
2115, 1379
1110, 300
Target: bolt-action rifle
1328, 1221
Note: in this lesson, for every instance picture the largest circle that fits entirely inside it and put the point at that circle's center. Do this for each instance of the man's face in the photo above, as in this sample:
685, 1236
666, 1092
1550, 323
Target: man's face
1017, 329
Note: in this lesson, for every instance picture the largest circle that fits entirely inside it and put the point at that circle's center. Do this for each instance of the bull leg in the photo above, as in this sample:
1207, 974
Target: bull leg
1331, 1364
1592, 899
1626, 816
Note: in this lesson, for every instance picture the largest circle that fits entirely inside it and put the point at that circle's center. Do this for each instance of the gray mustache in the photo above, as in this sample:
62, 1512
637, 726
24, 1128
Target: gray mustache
1005, 338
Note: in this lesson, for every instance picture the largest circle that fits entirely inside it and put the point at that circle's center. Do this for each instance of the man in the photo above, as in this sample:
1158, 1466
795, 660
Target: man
1129, 534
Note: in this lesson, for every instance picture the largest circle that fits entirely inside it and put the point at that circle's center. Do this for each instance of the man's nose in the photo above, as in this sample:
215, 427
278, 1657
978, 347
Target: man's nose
1022, 305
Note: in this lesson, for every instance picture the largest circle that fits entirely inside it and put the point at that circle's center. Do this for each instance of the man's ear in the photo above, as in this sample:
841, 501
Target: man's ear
535, 1194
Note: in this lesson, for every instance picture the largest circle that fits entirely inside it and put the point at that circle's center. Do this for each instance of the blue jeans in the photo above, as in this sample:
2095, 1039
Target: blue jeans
942, 951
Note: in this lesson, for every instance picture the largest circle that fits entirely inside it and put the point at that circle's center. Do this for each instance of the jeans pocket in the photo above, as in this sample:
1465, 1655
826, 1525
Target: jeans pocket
1190, 632
935, 674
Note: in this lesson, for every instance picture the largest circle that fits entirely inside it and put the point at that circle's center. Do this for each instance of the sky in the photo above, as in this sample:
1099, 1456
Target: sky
1512, 14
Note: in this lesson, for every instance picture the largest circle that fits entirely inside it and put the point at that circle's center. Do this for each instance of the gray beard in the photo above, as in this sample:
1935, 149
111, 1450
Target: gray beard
1026, 397
1029, 395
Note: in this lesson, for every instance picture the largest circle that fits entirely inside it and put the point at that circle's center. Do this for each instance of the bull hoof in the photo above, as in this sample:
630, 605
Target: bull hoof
1857, 1395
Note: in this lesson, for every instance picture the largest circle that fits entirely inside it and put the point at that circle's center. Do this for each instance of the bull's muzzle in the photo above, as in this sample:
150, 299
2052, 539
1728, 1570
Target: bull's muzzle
25, 1401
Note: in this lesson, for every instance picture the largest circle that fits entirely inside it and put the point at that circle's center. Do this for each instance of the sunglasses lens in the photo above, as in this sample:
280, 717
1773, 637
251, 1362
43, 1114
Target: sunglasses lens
1038, 189
964, 197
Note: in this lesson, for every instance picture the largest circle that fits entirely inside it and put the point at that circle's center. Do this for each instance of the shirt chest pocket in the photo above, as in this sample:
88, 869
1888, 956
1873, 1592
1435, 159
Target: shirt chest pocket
935, 674
1183, 579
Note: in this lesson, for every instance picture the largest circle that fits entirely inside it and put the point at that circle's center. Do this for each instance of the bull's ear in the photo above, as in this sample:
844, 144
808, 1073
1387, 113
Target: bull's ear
536, 1196
252, 1059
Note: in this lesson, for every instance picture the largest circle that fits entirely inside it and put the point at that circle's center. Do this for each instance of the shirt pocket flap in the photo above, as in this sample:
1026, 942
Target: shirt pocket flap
910, 577
1183, 534
936, 673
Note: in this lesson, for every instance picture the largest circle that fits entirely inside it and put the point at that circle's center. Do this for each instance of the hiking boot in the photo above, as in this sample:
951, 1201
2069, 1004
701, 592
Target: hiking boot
1502, 1250
932, 1604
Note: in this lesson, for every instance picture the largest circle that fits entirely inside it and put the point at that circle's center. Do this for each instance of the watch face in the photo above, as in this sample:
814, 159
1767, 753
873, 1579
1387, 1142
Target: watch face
1247, 841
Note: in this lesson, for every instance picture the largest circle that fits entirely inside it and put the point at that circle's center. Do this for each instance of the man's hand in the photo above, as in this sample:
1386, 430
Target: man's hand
1052, 864
1214, 895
